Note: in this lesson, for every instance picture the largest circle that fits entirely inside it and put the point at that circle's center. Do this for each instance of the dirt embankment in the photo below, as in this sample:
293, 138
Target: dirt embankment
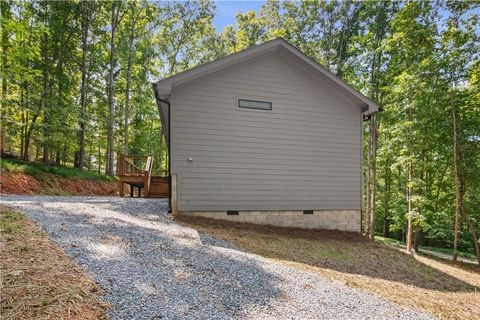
22, 183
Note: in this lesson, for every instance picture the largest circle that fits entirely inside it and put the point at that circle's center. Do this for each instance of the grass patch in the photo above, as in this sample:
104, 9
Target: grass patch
435, 286
12, 215
400, 244
388, 241
318, 252
464, 254
7, 221
38, 280
8, 227
37, 170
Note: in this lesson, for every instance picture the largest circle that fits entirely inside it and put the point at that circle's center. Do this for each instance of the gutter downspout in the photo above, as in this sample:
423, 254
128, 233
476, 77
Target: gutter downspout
168, 147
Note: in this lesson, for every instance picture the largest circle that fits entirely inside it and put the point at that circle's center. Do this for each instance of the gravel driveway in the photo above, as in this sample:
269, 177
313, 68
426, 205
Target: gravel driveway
154, 268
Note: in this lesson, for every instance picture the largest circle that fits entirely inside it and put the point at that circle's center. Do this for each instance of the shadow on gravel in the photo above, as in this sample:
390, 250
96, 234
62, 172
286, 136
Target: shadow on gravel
343, 252
153, 267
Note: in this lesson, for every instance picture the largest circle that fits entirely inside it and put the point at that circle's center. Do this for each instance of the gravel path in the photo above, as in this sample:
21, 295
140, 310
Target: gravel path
154, 268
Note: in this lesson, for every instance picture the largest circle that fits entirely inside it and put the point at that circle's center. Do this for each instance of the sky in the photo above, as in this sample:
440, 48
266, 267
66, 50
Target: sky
226, 11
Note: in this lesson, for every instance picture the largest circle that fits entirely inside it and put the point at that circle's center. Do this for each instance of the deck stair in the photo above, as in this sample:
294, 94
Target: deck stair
136, 171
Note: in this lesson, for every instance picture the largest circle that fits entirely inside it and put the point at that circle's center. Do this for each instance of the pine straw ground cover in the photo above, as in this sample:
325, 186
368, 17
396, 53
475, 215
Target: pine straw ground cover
437, 287
38, 281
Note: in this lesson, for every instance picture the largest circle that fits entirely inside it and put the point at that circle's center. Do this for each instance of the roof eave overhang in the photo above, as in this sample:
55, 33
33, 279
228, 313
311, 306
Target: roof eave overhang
163, 91
369, 109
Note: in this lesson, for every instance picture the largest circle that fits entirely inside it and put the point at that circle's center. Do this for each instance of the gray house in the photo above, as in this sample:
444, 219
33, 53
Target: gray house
265, 135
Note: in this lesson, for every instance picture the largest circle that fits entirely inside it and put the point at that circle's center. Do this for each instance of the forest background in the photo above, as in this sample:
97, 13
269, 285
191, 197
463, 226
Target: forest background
76, 91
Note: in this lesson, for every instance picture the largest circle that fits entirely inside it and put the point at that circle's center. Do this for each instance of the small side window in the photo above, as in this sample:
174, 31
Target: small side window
252, 104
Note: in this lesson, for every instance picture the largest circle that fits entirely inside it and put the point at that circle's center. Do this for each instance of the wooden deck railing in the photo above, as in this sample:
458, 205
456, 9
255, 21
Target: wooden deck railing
136, 167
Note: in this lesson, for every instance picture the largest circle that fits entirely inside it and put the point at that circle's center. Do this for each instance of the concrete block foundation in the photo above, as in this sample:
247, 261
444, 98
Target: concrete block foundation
343, 220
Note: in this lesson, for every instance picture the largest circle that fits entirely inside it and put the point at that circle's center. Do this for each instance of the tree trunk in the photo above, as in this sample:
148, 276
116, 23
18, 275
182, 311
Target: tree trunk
386, 209
22, 135
368, 178
6, 13
374, 121
99, 159
64, 155
421, 191
416, 242
86, 15
106, 160
348, 23
45, 89
90, 154
373, 176
129, 76
410, 181
24, 130
110, 153
57, 157
473, 232
117, 157
28, 136
471, 226
127, 101
456, 178
371, 179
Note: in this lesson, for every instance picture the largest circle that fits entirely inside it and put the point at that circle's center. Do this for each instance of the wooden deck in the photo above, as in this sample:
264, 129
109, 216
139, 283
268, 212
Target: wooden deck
136, 172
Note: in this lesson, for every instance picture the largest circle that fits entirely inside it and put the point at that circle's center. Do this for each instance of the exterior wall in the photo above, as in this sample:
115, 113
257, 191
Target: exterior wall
305, 154
344, 220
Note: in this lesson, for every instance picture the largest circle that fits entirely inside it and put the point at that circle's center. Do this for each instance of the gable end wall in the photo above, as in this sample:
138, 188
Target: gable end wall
305, 154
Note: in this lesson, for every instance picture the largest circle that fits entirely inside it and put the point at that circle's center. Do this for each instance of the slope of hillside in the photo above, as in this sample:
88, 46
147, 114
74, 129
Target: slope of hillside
18, 177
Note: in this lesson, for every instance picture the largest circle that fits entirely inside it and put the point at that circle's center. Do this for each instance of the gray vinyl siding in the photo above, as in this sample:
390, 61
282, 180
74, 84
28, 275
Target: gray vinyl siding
303, 154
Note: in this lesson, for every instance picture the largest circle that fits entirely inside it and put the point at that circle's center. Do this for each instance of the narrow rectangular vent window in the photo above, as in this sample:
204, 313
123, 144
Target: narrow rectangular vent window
307, 211
251, 104
232, 213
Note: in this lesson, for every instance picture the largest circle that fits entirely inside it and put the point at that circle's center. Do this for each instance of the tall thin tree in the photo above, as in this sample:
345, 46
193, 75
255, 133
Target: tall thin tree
87, 8
115, 17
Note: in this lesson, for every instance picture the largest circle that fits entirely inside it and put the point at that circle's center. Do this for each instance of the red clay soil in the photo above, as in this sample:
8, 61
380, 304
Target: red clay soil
88, 187
21, 183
